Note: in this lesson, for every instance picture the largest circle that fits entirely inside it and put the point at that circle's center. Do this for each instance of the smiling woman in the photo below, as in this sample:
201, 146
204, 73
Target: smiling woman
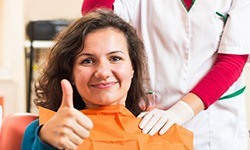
95, 51
92, 89
106, 68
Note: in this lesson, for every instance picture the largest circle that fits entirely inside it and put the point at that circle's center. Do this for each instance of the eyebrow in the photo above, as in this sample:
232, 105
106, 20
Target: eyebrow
90, 54
113, 52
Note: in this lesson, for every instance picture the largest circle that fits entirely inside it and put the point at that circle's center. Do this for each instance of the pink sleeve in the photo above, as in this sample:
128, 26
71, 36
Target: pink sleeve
89, 5
223, 74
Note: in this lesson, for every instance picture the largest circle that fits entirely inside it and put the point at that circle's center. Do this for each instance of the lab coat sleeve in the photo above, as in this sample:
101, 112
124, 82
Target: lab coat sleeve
31, 140
235, 38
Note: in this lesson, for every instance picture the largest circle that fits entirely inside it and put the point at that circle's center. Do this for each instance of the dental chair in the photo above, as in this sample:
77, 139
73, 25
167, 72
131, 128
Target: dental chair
12, 130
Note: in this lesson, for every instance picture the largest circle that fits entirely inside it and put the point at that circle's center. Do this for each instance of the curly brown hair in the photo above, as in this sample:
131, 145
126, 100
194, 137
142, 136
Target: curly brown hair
70, 42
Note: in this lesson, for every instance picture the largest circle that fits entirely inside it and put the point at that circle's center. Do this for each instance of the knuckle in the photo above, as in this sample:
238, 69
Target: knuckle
63, 132
67, 124
157, 115
70, 113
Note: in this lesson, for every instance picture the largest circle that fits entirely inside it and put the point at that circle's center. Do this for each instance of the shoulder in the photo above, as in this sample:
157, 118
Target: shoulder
32, 127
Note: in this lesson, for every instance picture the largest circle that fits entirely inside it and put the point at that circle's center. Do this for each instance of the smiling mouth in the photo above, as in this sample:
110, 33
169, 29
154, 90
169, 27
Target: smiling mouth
104, 85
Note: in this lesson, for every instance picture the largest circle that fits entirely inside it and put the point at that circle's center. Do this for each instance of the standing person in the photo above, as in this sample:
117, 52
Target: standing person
196, 51
90, 90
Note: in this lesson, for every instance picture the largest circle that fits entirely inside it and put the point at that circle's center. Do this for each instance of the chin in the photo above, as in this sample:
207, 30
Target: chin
107, 103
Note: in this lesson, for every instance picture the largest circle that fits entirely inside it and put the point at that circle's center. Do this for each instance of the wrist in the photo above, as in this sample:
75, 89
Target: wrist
194, 102
182, 111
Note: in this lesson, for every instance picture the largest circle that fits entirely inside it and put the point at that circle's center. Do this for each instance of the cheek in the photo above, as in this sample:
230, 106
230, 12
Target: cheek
81, 82
80, 76
127, 73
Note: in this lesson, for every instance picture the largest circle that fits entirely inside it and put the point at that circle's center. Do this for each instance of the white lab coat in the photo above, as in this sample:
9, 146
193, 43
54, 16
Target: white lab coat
182, 46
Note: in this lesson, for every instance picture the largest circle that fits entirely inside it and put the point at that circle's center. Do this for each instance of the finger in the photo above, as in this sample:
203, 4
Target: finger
166, 127
145, 120
151, 123
80, 131
158, 126
67, 144
84, 120
142, 114
67, 98
75, 138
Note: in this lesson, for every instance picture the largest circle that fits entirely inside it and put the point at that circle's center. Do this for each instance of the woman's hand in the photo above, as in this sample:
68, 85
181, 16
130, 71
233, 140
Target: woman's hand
68, 127
160, 120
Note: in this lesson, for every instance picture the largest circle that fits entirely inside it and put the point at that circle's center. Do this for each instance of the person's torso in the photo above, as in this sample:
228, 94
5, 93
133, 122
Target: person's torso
182, 47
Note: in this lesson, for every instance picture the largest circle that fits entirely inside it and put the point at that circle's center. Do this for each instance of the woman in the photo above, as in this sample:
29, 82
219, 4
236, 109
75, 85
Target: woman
100, 64
196, 52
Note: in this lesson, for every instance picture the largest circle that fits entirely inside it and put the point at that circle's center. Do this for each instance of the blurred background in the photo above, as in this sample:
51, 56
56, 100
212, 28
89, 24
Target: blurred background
15, 45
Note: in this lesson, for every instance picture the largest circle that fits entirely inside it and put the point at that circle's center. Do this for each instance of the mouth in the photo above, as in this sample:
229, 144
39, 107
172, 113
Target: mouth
103, 85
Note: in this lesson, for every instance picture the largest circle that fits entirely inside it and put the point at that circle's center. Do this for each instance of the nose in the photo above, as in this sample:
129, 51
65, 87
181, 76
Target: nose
103, 70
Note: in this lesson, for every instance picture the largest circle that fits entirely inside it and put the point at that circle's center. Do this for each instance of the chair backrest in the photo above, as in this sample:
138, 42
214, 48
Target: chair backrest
1, 110
1, 116
12, 130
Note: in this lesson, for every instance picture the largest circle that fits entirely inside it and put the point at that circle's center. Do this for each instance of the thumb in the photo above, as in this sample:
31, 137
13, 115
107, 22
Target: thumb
67, 91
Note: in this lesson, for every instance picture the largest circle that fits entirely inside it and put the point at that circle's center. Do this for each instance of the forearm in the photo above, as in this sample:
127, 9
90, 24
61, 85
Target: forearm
89, 5
226, 70
194, 102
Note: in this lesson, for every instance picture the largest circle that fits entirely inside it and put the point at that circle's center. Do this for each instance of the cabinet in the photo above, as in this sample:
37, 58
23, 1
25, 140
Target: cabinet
41, 34
35, 52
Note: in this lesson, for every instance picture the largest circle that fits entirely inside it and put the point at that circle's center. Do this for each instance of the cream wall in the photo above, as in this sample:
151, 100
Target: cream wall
12, 76
14, 15
52, 9
1, 30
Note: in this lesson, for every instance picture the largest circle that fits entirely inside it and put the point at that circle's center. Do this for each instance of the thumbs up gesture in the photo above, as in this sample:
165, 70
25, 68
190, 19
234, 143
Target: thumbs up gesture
68, 127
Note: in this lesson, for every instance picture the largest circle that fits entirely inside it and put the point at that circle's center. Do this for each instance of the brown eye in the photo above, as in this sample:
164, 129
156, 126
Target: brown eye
115, 58
88, 61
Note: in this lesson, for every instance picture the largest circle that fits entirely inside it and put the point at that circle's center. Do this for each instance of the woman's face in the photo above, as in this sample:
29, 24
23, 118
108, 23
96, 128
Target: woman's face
102, 72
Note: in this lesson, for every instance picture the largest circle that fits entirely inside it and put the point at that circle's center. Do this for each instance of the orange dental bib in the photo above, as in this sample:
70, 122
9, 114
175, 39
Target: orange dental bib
115, 127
